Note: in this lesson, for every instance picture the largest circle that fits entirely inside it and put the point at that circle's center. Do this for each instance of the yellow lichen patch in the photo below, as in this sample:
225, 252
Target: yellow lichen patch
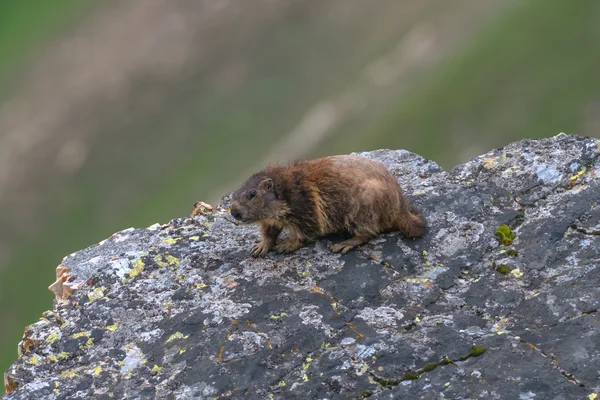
170, 240
96, 294
56, 385
194, 238
201, 285
516, 273
305, 378
281, 384
592, 396
578, 174
34, 360
159, 261
418, 280
176, 335
53, 337
97, 370
181, 351
138, 267
51, 359
63, 355
489, 162
81, 334
72, 373
172, 260
306, 364
275, 316
156, 369
112, 327
88, 344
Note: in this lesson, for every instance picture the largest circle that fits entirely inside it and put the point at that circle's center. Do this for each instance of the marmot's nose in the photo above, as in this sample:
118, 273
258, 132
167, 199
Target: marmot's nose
236, 214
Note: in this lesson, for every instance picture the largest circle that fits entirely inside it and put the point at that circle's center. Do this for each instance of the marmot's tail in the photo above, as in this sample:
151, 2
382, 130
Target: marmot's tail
412, 224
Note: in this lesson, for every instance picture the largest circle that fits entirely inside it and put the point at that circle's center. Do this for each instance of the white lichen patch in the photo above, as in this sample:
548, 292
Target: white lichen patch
251, 342
548, 174
95, 260
381, 317
225, 308
310, 316
462, 235
134, 359
121, 267
96, 294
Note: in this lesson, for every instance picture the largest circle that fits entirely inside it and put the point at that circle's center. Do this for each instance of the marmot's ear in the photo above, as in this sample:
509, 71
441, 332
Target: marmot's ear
266, 184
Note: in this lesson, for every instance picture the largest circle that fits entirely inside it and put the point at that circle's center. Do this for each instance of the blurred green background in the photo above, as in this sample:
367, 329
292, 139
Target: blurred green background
123, 113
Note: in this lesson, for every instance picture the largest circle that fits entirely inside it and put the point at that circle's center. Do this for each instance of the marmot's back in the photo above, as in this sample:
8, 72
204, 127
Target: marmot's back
357, 193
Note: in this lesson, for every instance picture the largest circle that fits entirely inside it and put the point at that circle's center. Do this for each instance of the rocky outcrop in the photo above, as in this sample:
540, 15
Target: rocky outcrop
500, 300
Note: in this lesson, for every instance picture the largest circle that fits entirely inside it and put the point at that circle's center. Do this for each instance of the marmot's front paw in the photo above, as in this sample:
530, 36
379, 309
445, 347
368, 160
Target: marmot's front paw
260, 249
287, 246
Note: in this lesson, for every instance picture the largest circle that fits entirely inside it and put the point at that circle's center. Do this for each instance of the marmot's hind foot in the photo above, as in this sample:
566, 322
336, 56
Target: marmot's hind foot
347, 245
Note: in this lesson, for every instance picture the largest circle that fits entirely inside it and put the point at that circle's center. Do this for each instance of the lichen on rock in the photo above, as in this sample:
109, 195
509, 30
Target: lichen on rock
181, 310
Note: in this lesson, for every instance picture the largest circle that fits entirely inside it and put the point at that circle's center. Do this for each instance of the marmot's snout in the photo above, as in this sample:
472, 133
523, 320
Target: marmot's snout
235, 213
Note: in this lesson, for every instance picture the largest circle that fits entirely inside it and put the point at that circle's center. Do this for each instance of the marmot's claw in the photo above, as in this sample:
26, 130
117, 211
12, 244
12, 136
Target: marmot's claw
259, 249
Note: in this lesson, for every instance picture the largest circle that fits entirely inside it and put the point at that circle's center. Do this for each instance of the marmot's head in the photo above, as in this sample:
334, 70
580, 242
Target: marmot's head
256, 200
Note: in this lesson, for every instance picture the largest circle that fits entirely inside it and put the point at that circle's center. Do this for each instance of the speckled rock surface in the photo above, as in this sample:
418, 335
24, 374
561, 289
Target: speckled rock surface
181, 311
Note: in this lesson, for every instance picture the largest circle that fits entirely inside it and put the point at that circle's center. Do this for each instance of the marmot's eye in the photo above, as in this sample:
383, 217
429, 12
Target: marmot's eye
252, 194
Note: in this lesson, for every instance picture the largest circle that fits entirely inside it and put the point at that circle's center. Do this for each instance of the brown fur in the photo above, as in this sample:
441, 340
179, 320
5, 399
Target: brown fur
313, 198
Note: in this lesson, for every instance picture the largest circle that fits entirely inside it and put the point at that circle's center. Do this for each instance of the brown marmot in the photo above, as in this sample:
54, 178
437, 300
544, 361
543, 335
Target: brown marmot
313, 198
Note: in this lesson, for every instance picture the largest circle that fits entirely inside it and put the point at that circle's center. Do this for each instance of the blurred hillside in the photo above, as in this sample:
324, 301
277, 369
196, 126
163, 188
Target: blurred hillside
124, 113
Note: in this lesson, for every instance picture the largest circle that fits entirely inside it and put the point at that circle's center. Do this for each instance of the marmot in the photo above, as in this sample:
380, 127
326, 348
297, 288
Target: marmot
310, 199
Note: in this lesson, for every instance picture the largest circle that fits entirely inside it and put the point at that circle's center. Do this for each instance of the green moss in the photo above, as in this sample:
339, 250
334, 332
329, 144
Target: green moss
512, 252
504, 234
410, 326
429, 367
476, 351
411, 375
503, 269
446, 361
389, 383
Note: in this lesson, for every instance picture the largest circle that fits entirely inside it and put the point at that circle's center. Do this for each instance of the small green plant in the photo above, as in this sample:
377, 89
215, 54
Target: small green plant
503, 269
504, 234
476, 351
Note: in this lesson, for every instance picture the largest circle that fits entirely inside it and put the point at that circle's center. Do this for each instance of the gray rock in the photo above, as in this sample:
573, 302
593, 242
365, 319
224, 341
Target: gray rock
181, 311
